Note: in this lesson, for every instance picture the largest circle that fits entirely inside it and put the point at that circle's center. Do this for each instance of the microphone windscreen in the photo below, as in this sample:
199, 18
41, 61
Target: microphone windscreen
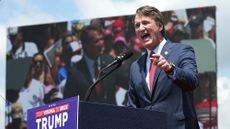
127, 55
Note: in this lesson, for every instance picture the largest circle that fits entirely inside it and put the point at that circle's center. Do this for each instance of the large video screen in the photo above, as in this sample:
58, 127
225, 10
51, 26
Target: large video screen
42, 60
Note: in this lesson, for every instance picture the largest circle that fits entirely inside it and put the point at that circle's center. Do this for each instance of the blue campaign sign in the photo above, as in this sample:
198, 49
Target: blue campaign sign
62, 114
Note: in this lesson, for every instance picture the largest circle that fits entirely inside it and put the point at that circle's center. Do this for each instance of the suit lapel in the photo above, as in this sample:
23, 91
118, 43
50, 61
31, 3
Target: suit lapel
82, 66
165, 52
143, 74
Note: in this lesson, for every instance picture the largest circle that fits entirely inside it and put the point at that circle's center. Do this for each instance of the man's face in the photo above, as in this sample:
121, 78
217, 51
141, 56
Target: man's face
148, 31
18, 42
38, 62
95, 45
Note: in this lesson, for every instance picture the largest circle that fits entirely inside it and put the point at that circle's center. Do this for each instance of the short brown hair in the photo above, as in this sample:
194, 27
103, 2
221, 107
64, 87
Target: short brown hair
84, 35
153, 12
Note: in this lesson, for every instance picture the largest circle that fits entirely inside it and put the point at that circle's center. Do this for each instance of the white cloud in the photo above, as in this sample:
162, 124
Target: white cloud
2, 41
30, 19
2, 109
223, 20
22, 12
223, 92
94, 9
2, 73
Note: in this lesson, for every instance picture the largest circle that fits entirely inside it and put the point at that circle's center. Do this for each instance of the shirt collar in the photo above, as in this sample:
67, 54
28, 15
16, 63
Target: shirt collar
159, 47
89, 61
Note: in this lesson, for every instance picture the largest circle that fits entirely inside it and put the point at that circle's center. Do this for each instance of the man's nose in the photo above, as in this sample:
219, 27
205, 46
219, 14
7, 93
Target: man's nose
142, 27
100, 42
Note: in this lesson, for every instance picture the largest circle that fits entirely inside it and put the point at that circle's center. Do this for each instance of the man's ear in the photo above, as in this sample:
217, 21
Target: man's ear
160, 26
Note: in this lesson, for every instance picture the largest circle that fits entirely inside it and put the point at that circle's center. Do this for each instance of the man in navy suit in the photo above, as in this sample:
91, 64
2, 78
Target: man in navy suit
170, 84
83, 73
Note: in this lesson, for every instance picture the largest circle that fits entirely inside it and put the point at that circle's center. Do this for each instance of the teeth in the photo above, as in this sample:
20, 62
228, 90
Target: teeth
144, 36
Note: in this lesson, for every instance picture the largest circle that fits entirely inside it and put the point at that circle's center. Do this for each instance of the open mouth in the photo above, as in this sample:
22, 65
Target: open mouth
145, 36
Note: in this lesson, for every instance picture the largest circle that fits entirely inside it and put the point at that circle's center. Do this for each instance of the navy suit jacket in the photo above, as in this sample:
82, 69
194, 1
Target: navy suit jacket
79, 80
172, 94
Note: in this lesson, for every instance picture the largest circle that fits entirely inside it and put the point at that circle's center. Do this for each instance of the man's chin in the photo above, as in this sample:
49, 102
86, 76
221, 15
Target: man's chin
148, 45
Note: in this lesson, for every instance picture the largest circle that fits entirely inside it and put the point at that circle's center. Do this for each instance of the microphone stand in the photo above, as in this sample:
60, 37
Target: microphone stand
90, 89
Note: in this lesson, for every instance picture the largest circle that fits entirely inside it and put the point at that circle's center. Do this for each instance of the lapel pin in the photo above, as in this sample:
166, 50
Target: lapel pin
166, 53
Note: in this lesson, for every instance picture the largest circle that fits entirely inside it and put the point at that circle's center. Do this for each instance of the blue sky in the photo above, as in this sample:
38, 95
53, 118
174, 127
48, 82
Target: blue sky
30, 12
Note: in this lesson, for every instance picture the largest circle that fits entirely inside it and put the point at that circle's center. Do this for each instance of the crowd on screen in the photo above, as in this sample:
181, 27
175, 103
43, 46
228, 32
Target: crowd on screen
46, 78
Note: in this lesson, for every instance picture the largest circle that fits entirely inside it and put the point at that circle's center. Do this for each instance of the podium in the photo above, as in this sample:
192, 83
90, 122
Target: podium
103, 116
72, 114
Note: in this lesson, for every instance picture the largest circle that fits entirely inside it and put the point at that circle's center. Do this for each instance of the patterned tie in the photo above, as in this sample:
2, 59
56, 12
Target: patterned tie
152, 71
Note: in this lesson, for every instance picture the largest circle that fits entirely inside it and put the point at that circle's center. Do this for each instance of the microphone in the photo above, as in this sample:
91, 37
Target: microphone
119, 59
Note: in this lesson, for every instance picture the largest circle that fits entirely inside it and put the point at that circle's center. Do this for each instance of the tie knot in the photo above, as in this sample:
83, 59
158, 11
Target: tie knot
151, 55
